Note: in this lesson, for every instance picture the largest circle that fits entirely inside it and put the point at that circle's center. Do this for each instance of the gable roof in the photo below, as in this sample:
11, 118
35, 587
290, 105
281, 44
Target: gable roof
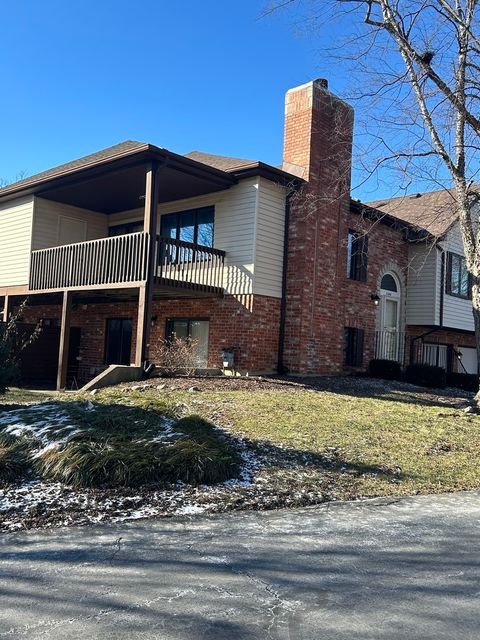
434, 211
225, 163
241, 167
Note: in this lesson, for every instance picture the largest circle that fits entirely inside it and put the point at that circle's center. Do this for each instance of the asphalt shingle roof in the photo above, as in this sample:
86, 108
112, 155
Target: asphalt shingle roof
434, 211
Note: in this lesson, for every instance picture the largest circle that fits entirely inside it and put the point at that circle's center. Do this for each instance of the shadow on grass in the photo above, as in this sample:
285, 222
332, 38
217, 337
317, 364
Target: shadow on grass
133, 430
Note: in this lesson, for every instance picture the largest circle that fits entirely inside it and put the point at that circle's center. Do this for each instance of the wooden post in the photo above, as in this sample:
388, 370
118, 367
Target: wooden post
7, 308
145, 294
64, 341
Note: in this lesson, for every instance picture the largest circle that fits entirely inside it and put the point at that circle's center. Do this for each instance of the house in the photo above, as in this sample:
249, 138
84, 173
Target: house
118, 250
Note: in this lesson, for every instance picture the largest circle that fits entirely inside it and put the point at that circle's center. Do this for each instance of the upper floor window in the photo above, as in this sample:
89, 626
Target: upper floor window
357, 255
194, 225
458, 280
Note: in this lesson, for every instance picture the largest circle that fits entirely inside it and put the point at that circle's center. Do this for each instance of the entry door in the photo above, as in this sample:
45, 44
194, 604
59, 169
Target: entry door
390, 320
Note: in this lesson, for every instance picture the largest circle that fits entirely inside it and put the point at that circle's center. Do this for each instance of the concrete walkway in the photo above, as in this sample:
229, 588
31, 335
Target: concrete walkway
380, 569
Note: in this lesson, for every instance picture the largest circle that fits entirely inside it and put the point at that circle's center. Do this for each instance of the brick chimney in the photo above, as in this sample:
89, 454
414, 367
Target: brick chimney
318, 148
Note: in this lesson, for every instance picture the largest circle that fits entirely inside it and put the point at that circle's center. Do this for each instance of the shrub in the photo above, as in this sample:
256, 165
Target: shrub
12, 342
466, 381
177, 356
426, 375
87, 461
386, 369
102, 458
14, 463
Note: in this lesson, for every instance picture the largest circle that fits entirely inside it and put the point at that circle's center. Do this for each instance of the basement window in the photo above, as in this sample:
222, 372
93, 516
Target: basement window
357, 255
458, 282
353, 347
195, 328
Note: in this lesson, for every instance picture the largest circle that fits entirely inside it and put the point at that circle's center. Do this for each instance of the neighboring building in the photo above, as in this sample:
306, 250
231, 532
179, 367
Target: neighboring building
120, 249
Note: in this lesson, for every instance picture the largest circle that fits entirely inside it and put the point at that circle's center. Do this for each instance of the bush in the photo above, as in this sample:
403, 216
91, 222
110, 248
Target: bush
203, 457
8, 364
14, 463
98, 459
177, 356
386, 369
426, 375
93, 462
466, 381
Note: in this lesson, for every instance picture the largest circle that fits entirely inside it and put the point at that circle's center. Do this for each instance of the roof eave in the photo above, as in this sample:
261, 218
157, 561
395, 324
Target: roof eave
142, 153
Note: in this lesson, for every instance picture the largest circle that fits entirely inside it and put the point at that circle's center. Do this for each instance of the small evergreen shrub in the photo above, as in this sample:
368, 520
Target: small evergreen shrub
466, 381
426, 375
385, 369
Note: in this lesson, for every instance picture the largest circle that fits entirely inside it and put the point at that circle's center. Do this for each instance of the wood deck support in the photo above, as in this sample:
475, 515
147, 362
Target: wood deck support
7, 308
146, 291
64, 341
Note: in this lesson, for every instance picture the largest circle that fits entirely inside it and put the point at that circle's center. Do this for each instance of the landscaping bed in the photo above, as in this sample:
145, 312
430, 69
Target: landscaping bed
206, 445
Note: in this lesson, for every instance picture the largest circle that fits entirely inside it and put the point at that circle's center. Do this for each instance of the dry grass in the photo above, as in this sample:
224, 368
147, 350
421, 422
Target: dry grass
391, 441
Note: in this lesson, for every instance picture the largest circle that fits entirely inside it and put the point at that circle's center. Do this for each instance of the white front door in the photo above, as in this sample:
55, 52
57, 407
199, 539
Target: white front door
388, 338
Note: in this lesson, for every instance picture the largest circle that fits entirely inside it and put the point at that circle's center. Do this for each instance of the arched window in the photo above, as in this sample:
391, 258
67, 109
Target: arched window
388, 283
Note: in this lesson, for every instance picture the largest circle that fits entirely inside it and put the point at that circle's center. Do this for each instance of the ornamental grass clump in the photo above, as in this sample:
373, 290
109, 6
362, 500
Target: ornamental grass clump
89, 461
190, 452
14, 461
203, 456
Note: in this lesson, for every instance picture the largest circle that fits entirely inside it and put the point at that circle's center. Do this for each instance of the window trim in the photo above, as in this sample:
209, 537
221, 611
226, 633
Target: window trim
357, 261
448, 279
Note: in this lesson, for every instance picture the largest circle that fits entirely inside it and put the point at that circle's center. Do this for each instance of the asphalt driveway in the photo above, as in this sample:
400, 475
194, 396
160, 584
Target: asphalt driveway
380, 569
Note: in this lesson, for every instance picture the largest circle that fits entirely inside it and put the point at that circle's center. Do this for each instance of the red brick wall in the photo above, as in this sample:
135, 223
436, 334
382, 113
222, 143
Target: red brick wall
247, 323
318, 136
386, 249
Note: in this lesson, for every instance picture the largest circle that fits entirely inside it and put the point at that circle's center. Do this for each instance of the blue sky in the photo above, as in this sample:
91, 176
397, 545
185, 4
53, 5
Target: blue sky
210, 75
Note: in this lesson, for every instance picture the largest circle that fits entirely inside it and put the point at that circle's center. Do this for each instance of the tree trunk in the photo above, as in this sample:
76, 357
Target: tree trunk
476, 319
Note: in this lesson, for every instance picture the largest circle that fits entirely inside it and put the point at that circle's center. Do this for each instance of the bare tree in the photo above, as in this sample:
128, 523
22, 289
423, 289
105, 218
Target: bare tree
414, 70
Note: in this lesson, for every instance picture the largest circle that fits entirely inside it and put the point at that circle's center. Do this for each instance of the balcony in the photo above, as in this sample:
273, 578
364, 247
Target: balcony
122, 261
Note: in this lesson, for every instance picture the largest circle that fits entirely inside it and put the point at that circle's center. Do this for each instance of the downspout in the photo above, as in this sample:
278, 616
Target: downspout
442, 288
283, 302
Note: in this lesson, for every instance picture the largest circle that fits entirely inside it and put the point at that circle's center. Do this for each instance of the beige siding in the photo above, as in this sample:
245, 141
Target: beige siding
235, 211
48, 218
457, 313
269, 239
423, 285
15, 241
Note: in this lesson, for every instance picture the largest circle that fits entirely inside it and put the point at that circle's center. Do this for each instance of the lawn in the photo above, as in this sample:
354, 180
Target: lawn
282, 443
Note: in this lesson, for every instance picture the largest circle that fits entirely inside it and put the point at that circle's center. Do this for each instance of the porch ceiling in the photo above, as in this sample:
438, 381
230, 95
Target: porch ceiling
117, 183
99, 296
124, 189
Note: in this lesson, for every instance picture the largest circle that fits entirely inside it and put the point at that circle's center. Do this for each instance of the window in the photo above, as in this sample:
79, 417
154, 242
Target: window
388, 283
194, 225
458, 281
195, 328
353, 351
357, 255
128, 227
118, 341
